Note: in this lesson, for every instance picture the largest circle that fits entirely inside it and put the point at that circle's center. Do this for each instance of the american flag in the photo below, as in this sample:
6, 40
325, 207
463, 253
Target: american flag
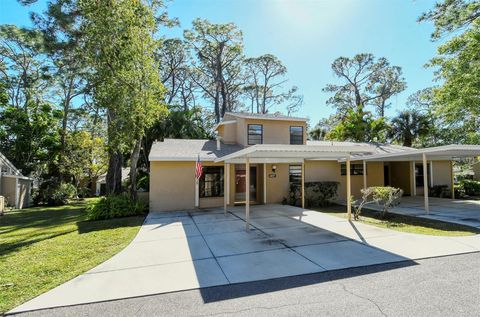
198, 168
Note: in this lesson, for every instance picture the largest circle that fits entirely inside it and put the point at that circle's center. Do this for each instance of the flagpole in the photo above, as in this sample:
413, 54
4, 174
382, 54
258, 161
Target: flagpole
197, 194
197, 189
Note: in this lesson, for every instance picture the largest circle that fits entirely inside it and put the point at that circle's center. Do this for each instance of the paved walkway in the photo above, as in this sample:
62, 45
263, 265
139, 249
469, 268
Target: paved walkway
188, 250
465, 212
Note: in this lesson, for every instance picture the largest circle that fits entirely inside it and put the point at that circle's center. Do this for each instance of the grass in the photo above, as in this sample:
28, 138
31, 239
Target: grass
43, 247
405, 223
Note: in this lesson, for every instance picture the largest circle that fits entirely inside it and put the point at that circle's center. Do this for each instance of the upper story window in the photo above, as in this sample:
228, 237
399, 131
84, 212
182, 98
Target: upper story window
355, 169
296, 135
255, 134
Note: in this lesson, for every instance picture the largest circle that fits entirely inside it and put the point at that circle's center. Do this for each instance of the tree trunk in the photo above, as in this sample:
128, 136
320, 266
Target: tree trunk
225, 106
114, 173
133, 168
217, 105
115, 159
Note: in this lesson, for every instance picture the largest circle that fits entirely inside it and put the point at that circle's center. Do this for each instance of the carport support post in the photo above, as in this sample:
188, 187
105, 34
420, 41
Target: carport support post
364, 174
226, 187
425, 182
414, 180
303, 184
430, 173
265, 183
247, 193
349, 190
452, 185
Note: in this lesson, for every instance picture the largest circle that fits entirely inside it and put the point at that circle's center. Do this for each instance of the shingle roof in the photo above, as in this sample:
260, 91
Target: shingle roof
378, 148
188, 150
266, 116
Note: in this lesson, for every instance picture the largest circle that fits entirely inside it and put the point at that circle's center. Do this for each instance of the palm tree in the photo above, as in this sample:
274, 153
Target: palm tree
408, 126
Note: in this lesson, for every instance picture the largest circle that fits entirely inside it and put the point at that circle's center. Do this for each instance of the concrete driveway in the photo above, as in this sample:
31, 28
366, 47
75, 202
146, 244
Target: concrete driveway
465, 212
187, 250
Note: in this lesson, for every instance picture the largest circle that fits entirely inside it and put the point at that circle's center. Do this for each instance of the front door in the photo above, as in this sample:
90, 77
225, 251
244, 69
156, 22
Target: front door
240, 178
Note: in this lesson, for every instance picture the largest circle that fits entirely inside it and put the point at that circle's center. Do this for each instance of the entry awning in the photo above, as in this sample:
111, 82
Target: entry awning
445, 152
278, 153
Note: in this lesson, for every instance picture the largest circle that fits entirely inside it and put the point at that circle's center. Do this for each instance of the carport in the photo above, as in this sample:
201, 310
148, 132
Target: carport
279, 153
439, 153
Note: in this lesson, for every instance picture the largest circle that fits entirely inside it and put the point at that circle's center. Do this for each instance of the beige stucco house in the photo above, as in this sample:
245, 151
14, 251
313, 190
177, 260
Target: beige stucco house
14, 187
268, 151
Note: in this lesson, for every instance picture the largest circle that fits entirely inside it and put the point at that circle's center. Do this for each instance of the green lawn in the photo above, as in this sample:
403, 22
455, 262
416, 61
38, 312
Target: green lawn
405, 223
43, 247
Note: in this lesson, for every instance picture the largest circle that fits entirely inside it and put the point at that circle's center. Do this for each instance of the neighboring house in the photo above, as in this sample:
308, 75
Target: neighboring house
270, 151
476, 171
14, 187
101, 183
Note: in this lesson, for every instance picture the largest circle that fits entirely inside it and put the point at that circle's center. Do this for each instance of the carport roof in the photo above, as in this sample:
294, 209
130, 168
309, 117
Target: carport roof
282, 152
445, 152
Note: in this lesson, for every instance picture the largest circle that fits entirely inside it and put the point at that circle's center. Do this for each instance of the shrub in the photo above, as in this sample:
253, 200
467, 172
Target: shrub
84, 192
114, 206
466, 188
54, 193
471, 187
316, 194
320, 193
459, 191
387, 196
440, 191
294, 195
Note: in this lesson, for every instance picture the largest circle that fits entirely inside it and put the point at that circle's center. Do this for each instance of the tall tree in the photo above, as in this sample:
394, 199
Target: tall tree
456, 101
359, 126
119, 45
176, 72
365, 81
409, 126
25, 72
265, 84
28, 121
219, 51
451, 15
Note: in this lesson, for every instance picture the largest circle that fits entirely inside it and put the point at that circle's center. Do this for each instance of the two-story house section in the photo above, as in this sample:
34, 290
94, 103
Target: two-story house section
256, 157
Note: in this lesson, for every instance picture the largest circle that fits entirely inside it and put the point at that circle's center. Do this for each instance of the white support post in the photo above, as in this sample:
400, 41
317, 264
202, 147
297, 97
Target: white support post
197, 194
452, 184
364, 174
228, 182
425, 183
430, 172
349, 190
414, 180
265, 183
226, 187
303, 184
247, 194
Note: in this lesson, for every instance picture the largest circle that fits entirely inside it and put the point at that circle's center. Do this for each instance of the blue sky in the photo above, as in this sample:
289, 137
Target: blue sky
307, 35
